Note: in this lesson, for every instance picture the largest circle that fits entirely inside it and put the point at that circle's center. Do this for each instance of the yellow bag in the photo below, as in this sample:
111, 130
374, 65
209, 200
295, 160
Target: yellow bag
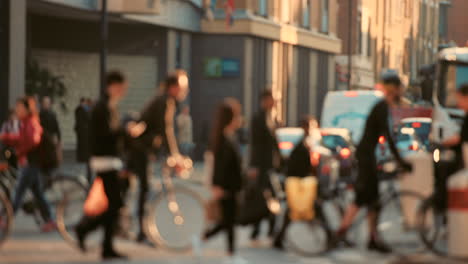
301, 195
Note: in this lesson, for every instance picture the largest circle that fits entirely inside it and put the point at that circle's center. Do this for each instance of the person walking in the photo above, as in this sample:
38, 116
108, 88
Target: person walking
26, 146
82, 122
367, 185
158, 118
184, 131
106, 135
264, 155
299, 165
226, 179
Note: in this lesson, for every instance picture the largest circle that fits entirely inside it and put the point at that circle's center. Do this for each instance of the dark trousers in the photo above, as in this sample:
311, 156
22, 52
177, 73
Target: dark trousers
138, 164
264, 184
110, 218
30, 178
229, 208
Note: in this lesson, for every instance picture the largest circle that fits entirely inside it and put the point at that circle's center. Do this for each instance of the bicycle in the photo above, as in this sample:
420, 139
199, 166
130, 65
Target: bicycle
58, 187
396, 223
6, 214
174, 213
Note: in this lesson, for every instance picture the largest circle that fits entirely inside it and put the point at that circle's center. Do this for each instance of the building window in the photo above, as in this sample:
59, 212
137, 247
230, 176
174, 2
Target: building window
151, 4
285, 13
324, 16
360, 33
305, 14
369, 39
263, 8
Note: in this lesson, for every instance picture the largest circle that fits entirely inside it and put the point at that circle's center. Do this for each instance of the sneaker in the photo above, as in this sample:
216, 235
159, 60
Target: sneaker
379, 246
49, 227
197, 246
235, 260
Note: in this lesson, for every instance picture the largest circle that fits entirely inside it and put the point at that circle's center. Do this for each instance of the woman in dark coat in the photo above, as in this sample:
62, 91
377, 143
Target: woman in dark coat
227, 180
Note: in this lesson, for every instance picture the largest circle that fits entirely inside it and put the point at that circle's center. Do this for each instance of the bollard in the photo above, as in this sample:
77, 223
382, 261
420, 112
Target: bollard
420, 181
458, 214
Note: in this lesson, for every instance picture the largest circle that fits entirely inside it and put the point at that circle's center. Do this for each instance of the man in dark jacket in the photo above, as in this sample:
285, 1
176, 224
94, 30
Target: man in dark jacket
82, 120
82, 126
264, 155
159, 118
49, 120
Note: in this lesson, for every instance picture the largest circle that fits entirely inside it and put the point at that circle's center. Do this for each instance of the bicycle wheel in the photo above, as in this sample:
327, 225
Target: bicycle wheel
398, 225
174, 218
433, 227
6, 218
69, 194
307, 238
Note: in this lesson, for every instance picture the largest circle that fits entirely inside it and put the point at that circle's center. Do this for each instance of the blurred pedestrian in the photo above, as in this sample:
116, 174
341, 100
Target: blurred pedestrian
299, 165
106, 135
367, 185
51, 134
26, 145
49, 120
185, 131
265, 155
82, 123
159, 135
10, 129
227, 179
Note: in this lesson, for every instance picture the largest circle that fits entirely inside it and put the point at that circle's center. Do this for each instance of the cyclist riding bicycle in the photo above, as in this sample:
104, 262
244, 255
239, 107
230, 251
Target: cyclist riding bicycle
158, 119
367, 185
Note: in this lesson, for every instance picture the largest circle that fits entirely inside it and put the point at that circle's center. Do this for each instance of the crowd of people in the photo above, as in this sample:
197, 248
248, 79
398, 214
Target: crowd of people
108, 145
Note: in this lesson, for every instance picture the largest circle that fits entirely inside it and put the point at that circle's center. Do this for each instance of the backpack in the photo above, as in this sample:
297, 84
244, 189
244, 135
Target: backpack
48, 153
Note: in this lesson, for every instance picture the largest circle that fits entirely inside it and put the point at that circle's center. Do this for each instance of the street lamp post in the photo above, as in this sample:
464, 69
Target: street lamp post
350, 43
104, 40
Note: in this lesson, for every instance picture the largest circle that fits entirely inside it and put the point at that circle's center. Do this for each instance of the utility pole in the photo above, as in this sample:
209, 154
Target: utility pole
104, 40
350, 42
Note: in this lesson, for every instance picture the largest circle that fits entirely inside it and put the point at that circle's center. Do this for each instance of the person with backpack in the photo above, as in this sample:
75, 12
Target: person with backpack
27, 146
299, 165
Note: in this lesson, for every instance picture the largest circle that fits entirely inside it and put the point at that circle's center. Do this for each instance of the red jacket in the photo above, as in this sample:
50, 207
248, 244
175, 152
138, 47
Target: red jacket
29, 138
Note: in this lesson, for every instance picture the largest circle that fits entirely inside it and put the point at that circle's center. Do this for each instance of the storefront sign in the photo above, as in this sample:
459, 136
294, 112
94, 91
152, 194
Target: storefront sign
215, 67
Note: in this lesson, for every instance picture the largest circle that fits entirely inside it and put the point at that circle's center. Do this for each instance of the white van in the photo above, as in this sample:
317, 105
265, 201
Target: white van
349, 109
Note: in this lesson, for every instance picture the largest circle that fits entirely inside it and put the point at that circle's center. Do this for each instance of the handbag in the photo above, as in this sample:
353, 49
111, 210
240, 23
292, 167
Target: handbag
253, 205
96, 203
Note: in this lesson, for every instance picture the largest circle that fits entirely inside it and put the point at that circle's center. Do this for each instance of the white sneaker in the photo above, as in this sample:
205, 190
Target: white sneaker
235, 260
197, 246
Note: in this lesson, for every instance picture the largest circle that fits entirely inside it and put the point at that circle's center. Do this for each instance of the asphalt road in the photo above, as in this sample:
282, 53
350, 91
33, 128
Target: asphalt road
28, 246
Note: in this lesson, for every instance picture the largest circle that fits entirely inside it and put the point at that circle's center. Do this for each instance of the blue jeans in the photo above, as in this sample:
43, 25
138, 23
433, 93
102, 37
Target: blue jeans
30, 178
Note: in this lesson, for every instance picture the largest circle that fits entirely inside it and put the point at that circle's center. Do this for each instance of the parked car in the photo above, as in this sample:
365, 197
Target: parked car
339, 142
421, 127
321, 156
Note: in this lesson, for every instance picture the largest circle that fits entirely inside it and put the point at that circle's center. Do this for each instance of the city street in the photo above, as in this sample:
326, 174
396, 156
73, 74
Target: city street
28, 246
